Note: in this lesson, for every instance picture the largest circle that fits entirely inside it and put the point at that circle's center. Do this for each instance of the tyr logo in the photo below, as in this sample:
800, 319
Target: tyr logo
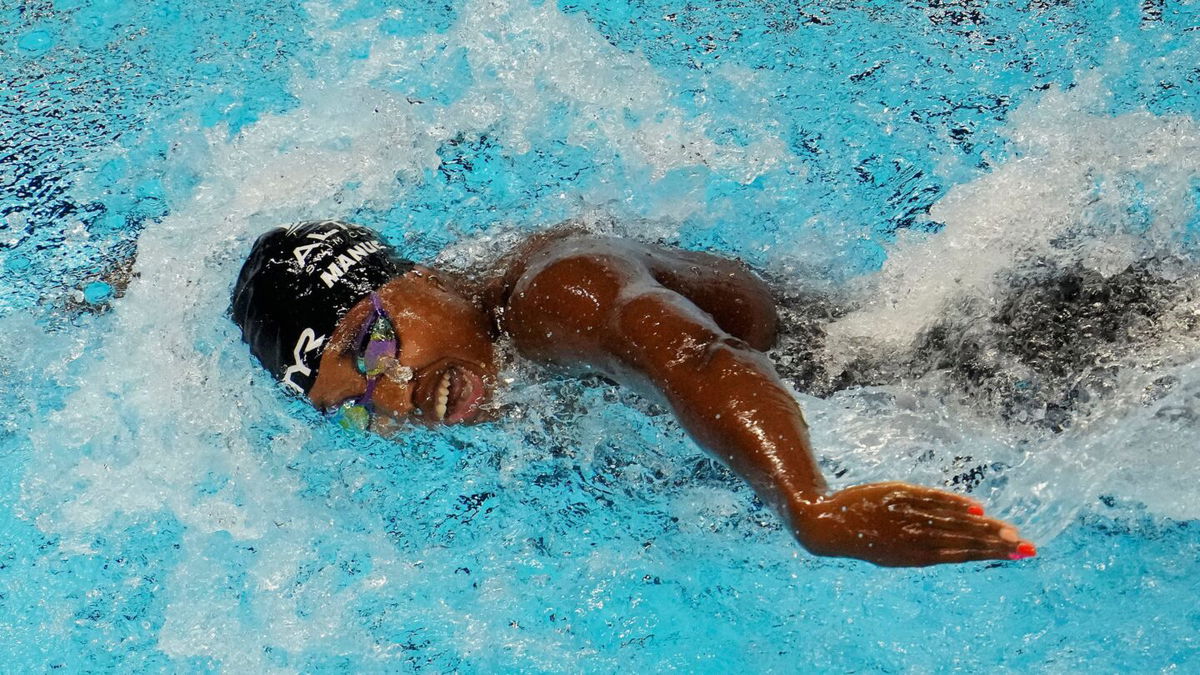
307, 342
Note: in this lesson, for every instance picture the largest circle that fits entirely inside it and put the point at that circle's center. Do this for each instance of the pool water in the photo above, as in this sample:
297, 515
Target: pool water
981, 218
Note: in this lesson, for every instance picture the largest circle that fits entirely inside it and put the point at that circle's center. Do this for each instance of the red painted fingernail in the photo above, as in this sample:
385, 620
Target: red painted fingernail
1024, 550
975, 510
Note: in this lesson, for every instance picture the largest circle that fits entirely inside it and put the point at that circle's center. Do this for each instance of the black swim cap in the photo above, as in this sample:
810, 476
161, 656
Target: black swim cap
295, 286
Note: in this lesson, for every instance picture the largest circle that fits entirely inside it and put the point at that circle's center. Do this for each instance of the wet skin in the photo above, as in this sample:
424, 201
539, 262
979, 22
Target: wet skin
441, 334
686, 328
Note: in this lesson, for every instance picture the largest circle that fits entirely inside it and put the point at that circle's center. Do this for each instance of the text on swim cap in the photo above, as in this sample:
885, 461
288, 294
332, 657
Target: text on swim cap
344, 261
347, 260
301, 252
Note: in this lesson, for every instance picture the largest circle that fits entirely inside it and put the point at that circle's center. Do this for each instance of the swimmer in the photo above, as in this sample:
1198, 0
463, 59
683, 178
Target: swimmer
381, 342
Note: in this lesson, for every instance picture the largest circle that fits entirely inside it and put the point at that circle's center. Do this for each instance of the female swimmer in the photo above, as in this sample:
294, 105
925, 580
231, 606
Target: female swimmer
336, 316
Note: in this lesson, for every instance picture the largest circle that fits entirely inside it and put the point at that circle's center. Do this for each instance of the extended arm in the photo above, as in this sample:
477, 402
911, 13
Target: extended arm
602, 310
732, 402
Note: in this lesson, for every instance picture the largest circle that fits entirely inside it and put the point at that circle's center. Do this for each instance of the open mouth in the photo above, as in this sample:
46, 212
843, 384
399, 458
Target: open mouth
450, 393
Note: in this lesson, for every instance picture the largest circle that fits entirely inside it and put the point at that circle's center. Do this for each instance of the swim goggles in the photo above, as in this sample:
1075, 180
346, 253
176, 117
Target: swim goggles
378, 349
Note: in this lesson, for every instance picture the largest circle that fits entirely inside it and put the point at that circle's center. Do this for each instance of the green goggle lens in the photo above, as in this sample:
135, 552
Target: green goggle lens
353, 416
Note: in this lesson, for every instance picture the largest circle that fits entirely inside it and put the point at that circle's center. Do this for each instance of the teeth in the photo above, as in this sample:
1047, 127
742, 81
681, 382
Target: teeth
443, 395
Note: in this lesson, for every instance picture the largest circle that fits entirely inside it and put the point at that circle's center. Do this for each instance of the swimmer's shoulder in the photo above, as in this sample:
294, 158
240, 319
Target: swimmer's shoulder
536, 252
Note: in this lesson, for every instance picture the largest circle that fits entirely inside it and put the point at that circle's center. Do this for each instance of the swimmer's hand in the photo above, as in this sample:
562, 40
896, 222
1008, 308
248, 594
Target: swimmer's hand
902, 525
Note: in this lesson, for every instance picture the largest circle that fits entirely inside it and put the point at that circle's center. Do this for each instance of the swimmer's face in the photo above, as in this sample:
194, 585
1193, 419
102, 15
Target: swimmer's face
444, 340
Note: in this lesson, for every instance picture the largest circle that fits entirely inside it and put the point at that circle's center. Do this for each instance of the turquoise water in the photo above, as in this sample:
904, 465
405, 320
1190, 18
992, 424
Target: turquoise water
992, 207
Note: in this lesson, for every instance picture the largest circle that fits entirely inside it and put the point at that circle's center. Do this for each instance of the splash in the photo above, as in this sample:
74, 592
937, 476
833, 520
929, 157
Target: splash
164, 420
1051, 327
1081, 188
534, 543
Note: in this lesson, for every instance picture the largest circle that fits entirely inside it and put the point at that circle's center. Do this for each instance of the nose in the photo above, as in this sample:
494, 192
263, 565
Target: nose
397, 372
394, 391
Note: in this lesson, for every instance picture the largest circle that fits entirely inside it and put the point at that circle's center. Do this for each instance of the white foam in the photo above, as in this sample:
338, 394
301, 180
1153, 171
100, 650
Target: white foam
1063, 195
165, 401
527, 61
1069, 194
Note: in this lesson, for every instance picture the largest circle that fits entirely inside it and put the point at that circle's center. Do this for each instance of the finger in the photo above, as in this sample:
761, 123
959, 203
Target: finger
1024, 549
993, 544
995, 548
962, 555
959, 522
924, 536
934, 499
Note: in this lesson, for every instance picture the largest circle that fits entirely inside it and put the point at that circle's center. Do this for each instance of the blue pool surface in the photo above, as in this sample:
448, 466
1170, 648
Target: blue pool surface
940, 174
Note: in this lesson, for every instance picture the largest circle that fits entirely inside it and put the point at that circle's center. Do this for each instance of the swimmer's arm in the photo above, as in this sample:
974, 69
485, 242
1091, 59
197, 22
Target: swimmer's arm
730, 400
